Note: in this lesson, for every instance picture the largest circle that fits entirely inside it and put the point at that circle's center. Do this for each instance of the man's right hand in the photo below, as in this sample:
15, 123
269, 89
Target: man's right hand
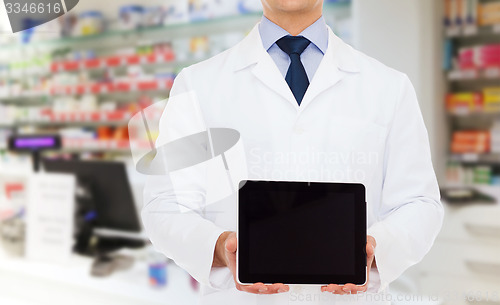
225, 255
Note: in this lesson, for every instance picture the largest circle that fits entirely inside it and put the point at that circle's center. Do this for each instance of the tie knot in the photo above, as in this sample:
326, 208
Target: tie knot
293, 44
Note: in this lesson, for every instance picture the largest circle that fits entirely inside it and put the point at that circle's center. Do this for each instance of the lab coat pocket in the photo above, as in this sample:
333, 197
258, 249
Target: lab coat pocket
359, 146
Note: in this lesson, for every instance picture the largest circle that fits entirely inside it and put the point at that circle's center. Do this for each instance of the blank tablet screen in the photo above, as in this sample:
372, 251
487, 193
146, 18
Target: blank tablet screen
301, 233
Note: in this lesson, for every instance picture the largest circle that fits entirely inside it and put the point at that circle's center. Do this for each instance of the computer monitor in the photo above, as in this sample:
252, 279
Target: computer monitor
114, 204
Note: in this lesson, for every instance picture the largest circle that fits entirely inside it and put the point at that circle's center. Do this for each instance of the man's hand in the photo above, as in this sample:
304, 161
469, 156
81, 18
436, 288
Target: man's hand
351, 288
225, 255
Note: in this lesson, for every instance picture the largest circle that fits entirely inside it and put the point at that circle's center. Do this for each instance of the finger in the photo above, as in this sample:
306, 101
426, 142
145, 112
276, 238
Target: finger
271, 289
283, 288
230, 246
336, 289
350, 288
361, 289
257, 288
354, 289
274, 289
231, 243
277, 288
370, 250
370, 255
371, 240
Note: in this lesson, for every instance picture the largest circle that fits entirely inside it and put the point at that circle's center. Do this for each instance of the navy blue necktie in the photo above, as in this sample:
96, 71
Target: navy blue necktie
296, 77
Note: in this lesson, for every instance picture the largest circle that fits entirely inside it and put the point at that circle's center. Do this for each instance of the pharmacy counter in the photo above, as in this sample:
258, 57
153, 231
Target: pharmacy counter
24, 282
463, 267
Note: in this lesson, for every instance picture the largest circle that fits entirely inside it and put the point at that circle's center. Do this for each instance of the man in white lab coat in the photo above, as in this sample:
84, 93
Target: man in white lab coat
308, 107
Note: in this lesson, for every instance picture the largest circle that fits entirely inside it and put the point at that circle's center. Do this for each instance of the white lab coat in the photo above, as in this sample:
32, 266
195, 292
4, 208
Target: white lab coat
359, 122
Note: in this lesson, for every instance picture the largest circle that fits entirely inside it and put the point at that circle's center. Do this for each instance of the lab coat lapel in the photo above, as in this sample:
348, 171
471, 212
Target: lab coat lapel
252, 52
268, 73
338, 62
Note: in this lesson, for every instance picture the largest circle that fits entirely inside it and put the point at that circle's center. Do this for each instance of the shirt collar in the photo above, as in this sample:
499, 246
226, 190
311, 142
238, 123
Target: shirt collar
317, 33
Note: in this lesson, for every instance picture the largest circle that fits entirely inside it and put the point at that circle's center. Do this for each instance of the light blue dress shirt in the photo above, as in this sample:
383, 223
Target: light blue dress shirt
317, 33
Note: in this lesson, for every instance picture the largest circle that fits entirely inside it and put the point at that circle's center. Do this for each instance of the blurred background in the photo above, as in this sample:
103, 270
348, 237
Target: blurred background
84, 75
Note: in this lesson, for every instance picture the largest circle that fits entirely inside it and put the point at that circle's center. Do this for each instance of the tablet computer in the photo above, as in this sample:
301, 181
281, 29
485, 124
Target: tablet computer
308, 233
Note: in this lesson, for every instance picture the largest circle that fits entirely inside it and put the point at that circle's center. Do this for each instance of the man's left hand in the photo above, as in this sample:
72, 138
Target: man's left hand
351, 288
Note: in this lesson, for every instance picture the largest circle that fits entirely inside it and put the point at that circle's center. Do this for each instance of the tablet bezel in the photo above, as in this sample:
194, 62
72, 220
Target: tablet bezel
244, 277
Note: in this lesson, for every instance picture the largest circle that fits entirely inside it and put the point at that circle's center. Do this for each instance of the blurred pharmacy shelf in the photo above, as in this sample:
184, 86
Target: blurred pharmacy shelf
111, 62
472, 77
76, 145
108, 88
467, 113
472, 31
474, 158
76, 121
474, 74
97, 88
57, 123
129, 37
